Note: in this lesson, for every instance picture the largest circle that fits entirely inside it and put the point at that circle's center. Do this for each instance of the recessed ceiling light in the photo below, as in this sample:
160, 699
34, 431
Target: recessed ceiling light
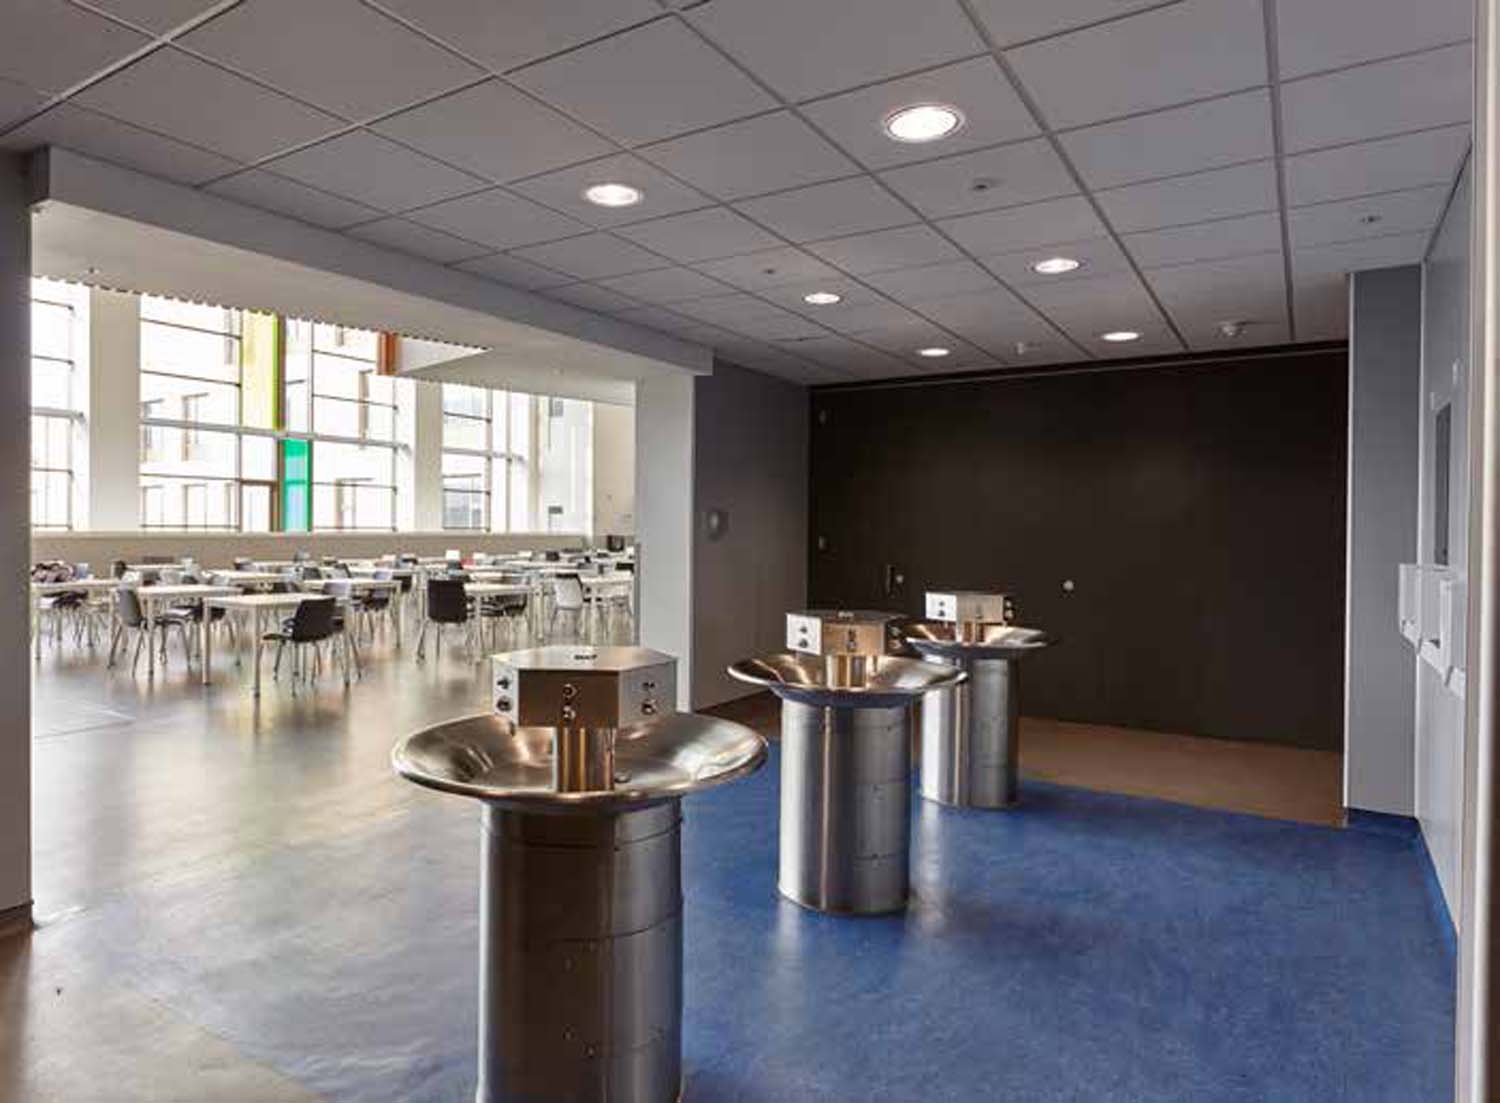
933, 352
1120, 336
612, 195
1056, 266
923, 122
822, 298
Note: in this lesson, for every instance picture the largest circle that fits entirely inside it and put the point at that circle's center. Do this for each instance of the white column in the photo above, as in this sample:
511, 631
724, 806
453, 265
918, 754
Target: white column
1477, 1027
15, 538
427, 457
664, 520
114, 397
614, 470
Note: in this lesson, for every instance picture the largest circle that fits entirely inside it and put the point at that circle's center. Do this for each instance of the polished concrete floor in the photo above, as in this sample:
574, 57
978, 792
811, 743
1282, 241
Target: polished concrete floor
239, 902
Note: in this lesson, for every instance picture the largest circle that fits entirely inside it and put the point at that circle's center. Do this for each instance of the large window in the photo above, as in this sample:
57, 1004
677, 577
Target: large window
487, 458
516, 462
336, 395
56, 402
192, 452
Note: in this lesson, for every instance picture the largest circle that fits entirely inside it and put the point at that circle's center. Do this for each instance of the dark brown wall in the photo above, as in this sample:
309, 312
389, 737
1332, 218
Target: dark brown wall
1198, 509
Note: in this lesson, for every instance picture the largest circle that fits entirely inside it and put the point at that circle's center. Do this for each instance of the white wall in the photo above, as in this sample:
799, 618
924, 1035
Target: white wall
664, 459
1439, 752
15, 497
114, 396
751, 464
427, 457
614, 470
1384, 390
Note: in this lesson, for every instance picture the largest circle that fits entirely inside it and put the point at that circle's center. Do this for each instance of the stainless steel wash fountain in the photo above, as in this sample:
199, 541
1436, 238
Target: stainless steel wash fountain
971, 732
846, 721
581, 770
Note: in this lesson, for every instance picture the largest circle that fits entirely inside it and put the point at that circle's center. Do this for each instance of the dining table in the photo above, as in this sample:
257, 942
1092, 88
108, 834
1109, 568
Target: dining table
152, 598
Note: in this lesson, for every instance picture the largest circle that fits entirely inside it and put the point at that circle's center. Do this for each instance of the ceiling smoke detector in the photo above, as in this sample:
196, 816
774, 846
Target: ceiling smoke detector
1232, 329
1023, 347
923, 122
1370, 219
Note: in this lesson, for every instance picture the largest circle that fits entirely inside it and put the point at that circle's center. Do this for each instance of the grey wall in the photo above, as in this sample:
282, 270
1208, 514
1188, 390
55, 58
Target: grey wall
1445, 379
15, 497
664, 520
1384, 393
751, 463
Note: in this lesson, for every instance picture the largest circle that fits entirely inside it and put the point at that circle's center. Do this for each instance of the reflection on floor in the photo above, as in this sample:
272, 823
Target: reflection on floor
242, 903
1265, 779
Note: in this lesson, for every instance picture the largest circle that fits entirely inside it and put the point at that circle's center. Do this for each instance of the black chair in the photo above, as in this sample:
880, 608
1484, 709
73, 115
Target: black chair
614, 543
130, 618
314, 623
447, 604
504, 608
240, 563
118, 568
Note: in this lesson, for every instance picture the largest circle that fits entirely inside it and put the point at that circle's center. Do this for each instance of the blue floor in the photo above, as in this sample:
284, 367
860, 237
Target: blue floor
1085, 947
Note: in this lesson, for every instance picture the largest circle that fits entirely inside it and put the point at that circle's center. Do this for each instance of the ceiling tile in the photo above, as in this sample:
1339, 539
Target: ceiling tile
665, 285
1003, 177
730, 309
992, 233
1011, 22
933, 281
191, 100
419, 241
992, 111
368, 168
50, 45
1088, 307
344, 57
700, 235
661, 195
843, 354
1326, 34
155, 16
779, 327
996, 321
805, 48
1245, 289
828, 210
768, 268
1199, 197
495, 131
504, 35
653, 82
877, 315
17, 101
515, 272
284, 196
1375, 216
878, 252
592, 256
1099, 256
1169, 143
1389, 164
668, 321
1372, 101
120, 143
1227, 237
766, 153
591, 297
498, 219
1165, 56
1356, 256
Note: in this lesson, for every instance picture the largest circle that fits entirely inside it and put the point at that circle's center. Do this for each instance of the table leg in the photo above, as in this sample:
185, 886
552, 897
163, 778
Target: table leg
395, 607
206, 648
258, 634
150, 637
36, 622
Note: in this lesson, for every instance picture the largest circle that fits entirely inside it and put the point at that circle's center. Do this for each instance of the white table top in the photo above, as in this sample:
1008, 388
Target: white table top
247, 578
261, 601
75, 585
354, 583
184, 590
592, 581
496, 589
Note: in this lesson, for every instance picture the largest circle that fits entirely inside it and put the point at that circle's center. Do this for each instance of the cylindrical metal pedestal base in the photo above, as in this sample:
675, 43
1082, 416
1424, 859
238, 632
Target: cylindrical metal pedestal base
971, 736
581, 957
845, 806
